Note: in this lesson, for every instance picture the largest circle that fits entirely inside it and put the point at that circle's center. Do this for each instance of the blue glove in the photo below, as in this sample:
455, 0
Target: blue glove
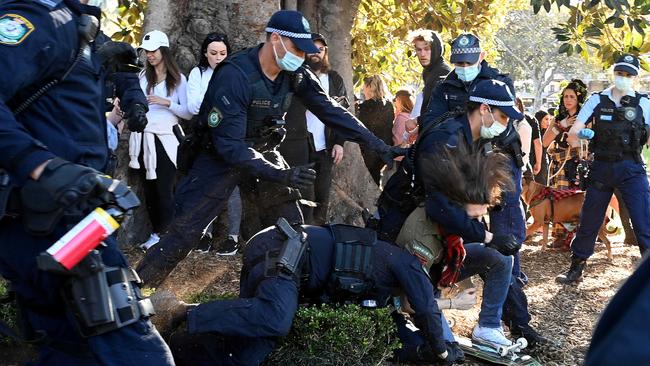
586, 134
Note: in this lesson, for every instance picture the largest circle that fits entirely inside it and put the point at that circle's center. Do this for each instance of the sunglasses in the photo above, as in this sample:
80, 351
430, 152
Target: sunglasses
217, 38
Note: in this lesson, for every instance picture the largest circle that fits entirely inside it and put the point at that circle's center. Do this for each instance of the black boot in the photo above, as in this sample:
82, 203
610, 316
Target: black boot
528, 332
574, 274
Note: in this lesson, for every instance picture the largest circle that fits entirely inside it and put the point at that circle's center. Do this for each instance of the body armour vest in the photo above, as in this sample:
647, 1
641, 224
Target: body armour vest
269, 102
620, 132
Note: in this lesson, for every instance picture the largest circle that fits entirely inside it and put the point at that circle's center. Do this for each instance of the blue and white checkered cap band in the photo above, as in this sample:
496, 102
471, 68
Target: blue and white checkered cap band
498, 103
460, 51
628, 65
288, 34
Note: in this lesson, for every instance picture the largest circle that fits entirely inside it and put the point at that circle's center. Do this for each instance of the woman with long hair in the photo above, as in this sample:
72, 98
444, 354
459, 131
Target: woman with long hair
214, 49
377, 114
563, 158
155, 148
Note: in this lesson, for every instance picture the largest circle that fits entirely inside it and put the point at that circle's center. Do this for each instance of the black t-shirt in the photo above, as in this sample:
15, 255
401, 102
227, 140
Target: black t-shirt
536, 134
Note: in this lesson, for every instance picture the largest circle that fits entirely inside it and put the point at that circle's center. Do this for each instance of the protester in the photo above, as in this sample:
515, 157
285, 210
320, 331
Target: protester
154, 150
308, 140
543, 121
563, 158
377, 114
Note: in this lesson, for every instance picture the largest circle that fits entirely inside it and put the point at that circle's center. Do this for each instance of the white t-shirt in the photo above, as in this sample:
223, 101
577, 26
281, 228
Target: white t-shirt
197, 85
314, 125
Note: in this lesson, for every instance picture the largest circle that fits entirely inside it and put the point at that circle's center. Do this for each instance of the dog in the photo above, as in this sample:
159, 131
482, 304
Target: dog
565, 210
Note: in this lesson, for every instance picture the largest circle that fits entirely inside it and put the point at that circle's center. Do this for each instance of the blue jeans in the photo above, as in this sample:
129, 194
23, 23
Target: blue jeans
630, 178
495, 270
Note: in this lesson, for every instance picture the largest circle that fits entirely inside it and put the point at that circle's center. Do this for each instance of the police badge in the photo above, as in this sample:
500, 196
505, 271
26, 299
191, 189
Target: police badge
14, 29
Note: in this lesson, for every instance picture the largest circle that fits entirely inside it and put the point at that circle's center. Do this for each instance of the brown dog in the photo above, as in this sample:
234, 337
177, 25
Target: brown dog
562, 211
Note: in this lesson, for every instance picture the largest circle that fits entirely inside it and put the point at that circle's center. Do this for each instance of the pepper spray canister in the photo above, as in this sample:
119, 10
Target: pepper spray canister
79, 241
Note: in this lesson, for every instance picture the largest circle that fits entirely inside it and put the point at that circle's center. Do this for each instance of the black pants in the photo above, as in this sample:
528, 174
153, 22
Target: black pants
320, 191
159, 192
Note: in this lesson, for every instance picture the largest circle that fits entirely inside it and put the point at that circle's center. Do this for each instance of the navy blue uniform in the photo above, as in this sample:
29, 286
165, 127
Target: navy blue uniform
235, 113
508, 219
246, 328
453, 93
621, 336
38, 42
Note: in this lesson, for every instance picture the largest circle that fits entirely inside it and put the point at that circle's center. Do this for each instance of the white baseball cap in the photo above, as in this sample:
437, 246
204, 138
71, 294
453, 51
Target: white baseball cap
154, 40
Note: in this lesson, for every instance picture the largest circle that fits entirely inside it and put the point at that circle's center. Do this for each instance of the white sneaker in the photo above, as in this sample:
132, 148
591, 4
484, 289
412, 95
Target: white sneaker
492, 336
153, 240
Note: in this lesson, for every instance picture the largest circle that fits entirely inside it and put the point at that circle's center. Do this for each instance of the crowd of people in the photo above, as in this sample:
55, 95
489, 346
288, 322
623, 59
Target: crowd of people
267, 125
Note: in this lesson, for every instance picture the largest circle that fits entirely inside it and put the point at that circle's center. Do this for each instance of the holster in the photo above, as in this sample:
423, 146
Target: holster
291, 254
105, 298
6, 200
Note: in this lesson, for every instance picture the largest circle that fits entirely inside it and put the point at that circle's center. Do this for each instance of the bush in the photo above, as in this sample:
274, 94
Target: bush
347, 335
7, 313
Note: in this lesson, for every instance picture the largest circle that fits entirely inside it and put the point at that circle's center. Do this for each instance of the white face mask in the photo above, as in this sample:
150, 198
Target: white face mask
623, 84
494, 130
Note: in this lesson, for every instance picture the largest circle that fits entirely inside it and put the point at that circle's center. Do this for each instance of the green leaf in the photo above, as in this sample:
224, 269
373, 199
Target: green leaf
564, 48
593, 3
619, 23
547, 5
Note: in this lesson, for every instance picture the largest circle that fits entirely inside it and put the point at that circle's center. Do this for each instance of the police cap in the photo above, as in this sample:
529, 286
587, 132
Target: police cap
627, 63
465, 48
291, 24
495, 93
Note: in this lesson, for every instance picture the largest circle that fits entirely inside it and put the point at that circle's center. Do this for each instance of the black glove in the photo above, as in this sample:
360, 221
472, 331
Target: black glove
63, 187
136, 117
505, 244
388, 156
454, 354
300, 177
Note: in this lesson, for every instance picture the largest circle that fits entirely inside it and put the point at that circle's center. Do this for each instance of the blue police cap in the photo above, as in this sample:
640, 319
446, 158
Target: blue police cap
627, 63
495, 93
292, 24
465, 48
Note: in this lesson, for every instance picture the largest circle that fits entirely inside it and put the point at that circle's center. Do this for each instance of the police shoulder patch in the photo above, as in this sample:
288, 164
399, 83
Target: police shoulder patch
214, 117
14, 29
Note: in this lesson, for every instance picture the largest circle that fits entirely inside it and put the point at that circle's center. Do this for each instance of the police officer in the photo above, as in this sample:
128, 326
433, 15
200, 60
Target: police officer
53, 147
489, 107
243, 109
245, 330
620, 118
470, 66
621, 336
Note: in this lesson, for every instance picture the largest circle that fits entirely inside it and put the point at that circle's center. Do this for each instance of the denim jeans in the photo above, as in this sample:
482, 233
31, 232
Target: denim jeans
495, 269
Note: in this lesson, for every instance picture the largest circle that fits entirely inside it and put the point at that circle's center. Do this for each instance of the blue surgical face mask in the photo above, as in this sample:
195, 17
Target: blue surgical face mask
623, 84
494, 130
289, 62
468, 73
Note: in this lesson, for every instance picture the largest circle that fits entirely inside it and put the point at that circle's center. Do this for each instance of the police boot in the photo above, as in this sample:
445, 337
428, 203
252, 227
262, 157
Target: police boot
574, 274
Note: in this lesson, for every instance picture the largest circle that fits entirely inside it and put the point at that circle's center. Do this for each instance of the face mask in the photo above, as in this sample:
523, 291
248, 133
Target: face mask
468, 73
622, 83
289, 62
493, 131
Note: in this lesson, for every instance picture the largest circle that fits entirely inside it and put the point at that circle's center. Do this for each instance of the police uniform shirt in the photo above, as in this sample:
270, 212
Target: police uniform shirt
230, 95
591, 104
38, 43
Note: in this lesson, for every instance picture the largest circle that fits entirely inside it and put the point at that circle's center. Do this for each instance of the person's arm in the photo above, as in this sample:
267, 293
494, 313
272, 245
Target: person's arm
228, 98
179, 107
338, 118
194, 92
645, 106
537, 145
451, 217
36, 58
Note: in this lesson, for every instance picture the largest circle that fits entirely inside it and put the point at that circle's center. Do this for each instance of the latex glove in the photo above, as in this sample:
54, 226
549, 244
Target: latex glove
586, 134
464, 300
